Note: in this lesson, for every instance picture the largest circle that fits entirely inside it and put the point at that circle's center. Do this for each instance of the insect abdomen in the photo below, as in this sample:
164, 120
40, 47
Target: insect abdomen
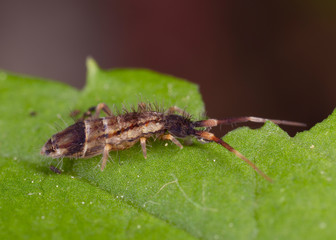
120, 132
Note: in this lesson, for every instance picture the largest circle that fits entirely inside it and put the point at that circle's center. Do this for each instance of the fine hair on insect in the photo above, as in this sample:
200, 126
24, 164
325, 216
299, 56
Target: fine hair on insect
93, 135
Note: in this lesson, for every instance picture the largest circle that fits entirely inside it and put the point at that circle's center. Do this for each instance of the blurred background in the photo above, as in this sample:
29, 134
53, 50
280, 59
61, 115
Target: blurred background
273, 59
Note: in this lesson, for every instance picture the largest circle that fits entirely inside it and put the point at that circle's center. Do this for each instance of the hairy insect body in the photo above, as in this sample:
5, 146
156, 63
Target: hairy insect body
88, 138
93, 136
120, 132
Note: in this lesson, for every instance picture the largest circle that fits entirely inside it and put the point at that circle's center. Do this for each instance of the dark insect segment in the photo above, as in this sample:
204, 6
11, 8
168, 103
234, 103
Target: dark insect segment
33, 113
92, 135
55, 169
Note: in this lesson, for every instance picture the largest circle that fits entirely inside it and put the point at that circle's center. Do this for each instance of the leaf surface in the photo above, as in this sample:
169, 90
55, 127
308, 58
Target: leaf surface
200, 192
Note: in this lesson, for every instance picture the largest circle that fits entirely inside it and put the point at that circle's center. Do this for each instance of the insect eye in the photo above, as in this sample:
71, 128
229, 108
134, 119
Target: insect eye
52, 147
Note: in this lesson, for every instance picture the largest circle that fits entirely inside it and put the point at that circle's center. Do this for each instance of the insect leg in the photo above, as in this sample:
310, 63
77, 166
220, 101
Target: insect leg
105, 108
210, 137
86, 115
171, 138
107, 149
100, 107
174, 109
143, 146
215, 122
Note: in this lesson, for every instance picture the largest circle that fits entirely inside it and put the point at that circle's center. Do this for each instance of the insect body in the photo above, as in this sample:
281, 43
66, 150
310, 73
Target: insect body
93, 136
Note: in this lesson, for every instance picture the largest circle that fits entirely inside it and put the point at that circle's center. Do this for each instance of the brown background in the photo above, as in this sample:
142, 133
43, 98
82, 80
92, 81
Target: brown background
264, 58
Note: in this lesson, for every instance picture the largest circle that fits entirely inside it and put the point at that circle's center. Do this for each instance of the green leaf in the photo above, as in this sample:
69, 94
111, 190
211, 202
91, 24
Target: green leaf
202, 191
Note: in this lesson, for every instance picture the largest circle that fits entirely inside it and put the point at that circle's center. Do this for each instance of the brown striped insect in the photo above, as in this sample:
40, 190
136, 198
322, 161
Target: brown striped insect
94, 135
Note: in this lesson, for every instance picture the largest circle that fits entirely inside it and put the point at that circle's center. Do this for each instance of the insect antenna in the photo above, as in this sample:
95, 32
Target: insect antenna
210, 137
215, 122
